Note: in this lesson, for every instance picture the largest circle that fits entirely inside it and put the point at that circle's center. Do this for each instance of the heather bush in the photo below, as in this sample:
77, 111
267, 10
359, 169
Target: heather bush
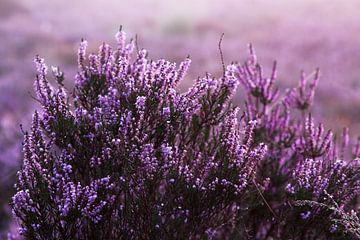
126, 155
303, 163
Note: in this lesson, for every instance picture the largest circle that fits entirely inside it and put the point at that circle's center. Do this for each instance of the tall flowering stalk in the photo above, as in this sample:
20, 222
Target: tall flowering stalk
127, 156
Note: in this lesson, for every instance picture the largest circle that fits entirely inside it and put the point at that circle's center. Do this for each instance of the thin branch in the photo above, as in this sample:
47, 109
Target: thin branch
267, 204
221, 53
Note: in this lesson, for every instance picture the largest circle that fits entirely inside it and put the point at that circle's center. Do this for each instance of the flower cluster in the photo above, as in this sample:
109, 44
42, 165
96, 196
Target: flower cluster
128, 156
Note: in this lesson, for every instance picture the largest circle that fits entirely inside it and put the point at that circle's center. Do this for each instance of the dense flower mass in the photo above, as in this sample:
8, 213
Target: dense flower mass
129, 156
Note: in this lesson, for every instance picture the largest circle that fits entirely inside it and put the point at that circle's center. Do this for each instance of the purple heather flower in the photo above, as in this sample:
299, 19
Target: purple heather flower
40, 65
230, 80
140, 102
304, 96
82, 54
183, 68
305, 215
166, 111
121, 40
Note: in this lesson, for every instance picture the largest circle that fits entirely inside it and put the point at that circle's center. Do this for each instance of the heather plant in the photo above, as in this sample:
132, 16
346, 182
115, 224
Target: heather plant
129, 157
303, 162
126, 155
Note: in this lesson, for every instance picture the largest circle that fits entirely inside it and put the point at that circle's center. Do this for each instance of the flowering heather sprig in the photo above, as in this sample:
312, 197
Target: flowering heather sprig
304, 94
130, 157
314, 143
251, 76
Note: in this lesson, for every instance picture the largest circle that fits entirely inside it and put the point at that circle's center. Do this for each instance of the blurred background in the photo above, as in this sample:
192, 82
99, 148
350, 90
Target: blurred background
299, 34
